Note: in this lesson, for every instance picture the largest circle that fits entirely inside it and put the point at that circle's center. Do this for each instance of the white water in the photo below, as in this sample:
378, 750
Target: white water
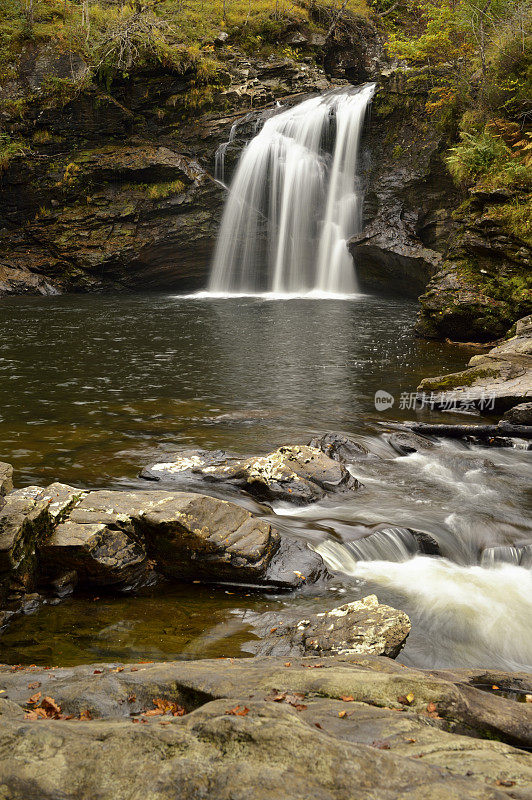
482, 614
292, 205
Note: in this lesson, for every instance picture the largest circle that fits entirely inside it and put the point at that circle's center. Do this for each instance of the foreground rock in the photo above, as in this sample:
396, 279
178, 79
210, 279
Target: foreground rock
494, 381
295, 474
357, 727
57, 538
358, 628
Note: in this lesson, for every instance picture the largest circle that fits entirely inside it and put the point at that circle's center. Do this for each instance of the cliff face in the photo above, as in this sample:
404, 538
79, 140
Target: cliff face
115, 188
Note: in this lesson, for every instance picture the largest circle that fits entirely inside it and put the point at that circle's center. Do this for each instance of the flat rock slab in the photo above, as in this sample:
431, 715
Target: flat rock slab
493, 381
364, 627
331, 728
296, 474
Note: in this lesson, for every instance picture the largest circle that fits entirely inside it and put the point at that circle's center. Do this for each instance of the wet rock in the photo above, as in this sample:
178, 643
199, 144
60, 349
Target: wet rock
483, 284
97, 554
64, 584
295, 474
362, 627
6, 478
520, 414
331, 732
116, 538
183, 465
426, 543
406, 443
339, 447
494, 381
24, 521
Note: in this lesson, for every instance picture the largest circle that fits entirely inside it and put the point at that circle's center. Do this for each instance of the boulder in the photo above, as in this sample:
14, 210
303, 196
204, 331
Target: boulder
520, 414
6, 478
98, 555
114, 537
406, 443
295, 474
358, 628
339, 447
24, 522
493, 382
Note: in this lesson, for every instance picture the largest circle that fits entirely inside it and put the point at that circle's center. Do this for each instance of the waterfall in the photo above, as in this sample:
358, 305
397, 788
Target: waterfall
293, 204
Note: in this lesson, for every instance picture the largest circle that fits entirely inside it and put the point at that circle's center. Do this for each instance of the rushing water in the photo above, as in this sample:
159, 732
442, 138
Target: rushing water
293, 204
92, 388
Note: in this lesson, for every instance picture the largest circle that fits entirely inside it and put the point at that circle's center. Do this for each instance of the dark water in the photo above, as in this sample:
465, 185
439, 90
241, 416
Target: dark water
92, 388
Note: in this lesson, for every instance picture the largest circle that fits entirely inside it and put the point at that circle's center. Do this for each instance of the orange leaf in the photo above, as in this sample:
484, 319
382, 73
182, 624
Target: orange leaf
347, 698
342, 714
34, 699
238, 712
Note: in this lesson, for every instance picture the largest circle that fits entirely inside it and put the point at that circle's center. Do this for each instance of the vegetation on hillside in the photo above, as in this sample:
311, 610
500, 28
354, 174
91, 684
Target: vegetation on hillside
475, 59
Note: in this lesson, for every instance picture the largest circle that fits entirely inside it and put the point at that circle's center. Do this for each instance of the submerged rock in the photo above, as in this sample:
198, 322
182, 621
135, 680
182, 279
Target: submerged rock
359, 628
406, 443
296, 474
339, 447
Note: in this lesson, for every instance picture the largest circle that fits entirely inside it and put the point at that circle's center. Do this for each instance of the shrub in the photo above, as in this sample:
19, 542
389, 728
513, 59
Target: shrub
486, 158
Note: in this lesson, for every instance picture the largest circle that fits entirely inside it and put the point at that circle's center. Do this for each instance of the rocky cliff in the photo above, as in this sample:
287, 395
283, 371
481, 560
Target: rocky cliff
113, 188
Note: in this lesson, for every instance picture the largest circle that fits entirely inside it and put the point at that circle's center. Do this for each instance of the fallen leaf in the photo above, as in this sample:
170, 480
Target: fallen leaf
118, 669
272, 630
317, 724
97, 672
34, 685
50, 706
528, 698
34, 699
299, 706
380, 744
347, 698
410, 741
131, 698
288, 663
406, 700
431, 708
495, 687
342, 714
162, 707
238, 712
85, 715
504, 783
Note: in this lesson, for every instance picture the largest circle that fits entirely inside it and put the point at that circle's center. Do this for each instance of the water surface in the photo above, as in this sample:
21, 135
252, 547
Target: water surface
93, 388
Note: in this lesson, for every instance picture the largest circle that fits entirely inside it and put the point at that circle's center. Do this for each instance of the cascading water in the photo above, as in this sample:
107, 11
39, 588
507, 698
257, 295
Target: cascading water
293, 205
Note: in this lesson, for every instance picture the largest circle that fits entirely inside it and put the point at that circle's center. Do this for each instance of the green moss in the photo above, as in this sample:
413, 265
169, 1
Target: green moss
457, 380
159, 191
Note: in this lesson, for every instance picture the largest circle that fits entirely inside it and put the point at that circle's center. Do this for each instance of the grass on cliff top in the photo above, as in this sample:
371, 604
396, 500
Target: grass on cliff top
193, 23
